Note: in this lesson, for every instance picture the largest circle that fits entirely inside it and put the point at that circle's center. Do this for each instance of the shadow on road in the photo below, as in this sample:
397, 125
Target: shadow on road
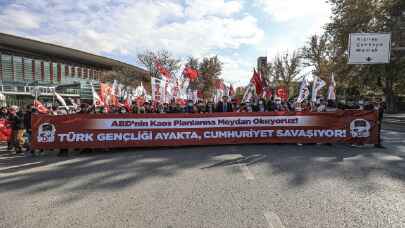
116, 170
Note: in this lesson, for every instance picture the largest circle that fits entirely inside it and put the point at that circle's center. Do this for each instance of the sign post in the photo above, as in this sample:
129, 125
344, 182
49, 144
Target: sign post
369, 48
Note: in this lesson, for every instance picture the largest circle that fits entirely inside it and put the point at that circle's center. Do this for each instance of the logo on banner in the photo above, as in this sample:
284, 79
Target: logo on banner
46, 133
282, 92
360, 128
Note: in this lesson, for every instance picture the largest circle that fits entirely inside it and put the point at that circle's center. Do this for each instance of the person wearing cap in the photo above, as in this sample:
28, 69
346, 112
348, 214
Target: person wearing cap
224, 105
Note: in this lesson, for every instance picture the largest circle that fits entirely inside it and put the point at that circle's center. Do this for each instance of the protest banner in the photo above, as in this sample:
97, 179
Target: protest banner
155, 130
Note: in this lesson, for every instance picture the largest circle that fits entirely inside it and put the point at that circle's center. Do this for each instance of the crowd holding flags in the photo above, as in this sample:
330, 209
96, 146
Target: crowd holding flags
258, 88
168, 88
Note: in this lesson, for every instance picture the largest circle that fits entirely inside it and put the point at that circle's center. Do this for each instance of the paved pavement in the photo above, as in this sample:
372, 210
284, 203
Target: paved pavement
223, 186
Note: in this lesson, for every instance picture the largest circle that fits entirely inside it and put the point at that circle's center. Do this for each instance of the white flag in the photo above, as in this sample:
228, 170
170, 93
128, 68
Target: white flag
114, 88
248, 93
96, 98
73, 103
317, 85
304, 91
60, 99
332, 89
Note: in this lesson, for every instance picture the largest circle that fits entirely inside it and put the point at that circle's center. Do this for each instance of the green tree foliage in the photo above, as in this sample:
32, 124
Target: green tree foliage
210, 68
285, 69
318, 53
352, 16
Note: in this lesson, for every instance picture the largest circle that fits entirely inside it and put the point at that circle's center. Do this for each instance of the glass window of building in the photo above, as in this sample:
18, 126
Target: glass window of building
18, 69
7, 67
72, 71
55, 72
27, 63
65, 72
47, 72
37, 70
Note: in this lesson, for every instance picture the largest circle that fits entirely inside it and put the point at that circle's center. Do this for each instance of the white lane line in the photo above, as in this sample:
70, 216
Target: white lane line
393, 141
246, 172
19, 166
273, 220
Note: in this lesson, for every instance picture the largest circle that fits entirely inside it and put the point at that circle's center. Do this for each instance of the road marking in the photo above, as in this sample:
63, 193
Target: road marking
393, 141
246, 172
393, 121
18, 166
273, 220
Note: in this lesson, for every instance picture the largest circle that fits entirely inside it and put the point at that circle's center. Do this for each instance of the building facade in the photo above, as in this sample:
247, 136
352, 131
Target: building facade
26, 64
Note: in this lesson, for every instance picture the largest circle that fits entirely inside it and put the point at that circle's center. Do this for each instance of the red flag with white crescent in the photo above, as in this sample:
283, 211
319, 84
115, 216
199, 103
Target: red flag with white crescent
40, 107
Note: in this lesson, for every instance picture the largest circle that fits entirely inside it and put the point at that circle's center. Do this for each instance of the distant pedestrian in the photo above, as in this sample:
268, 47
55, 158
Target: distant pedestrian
379, 108
17, 127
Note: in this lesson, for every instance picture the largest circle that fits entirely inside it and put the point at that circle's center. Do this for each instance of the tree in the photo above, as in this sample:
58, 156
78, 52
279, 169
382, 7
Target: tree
193, 62
163, 57
239, 92
210, 69
286, 68
318, 54
349, 16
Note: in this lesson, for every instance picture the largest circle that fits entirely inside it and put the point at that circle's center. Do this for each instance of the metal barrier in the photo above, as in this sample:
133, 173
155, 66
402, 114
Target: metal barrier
43, 90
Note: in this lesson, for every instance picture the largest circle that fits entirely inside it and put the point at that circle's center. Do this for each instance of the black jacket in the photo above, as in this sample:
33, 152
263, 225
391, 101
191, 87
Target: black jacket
220, 107
27, 121
17, 121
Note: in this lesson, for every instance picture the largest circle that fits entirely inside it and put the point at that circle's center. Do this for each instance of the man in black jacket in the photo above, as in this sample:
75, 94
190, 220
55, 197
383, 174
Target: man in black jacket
224, 105
17, 127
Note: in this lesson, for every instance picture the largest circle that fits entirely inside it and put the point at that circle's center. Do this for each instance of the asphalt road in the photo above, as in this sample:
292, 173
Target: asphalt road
223, 186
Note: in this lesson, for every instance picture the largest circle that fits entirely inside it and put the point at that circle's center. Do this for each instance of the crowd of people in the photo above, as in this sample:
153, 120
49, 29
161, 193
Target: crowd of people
19, 118
225, 105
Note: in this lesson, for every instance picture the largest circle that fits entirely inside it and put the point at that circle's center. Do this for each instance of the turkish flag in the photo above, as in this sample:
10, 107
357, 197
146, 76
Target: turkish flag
257, 82
231, 91
128, 104
40, 107
190, 73
163, 71
268, 93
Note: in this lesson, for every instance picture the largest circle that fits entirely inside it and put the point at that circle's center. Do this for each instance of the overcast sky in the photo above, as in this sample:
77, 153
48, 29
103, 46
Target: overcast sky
238, 31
